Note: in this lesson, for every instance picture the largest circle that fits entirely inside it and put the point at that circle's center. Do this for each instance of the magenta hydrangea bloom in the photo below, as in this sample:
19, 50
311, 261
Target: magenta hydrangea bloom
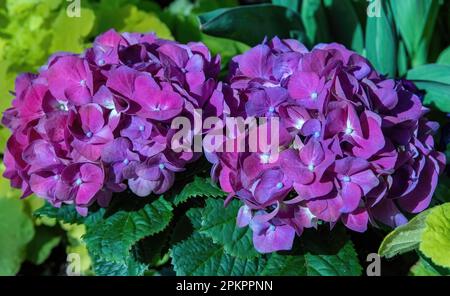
92, 124
360, 150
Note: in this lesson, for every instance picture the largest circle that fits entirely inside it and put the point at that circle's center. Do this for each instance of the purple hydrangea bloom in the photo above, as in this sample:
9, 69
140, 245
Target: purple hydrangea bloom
360, 149
92, 124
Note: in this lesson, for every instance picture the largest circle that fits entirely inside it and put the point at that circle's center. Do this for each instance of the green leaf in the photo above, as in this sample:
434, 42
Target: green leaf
200, 187
431, 72
425, 268
437, 94
444, 57
343, 263
111, 239
285, 265
66, 213
315, 21
219, 224
44, 241
435, 242
69, 32
344, 24
381, 43
415, 20
16, 231
329, 253
140, 21
195, 217
239, 23
292, 4
402, 59
404, 238
128, 267
199, 256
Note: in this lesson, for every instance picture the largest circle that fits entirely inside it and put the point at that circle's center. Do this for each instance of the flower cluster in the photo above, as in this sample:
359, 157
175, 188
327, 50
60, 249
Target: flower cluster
92, 124
354, 146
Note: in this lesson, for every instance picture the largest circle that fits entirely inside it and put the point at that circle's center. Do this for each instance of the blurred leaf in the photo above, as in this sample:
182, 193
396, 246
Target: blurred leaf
404, 238
140, 21
437, 94
239, 23
219, 224
65, 213
381, 43
292, 4
402, 59
69, 32
444, 57
435, 242
200, 187
431, 72
45, 239
16, 231
315, 21
415, 20
345, 27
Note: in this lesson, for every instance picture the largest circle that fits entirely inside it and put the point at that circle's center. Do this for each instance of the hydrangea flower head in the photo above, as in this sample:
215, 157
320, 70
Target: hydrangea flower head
92, 124
360, 149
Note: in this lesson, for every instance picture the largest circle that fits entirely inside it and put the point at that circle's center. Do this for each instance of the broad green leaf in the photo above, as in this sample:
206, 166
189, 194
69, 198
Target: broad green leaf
435, 242
45, 239
444, 57
114, 236
200, 187
437, 94
66, 213
315, 21
431, 72
404, 238
328, 252
195, 217
128, 267
238, 23
292, 4
344, 24
285, 265
199, 256
16, 231
219, 224
381, 43
69, 32
425, 268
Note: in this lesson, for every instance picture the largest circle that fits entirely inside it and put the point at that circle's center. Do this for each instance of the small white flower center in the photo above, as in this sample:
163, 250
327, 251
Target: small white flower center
311, 167
83, 82
101, 62
271, 109
316, 134
314, 95
161, 166
78, 182
126, 161
265, 158
141, 128
299, 124
348, 131
89, 134
279, 185
346, 179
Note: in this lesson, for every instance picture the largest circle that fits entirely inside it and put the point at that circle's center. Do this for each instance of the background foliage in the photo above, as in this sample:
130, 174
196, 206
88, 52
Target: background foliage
187, 231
